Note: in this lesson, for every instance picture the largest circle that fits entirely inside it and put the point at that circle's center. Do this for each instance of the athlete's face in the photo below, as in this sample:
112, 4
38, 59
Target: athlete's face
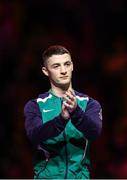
59, 69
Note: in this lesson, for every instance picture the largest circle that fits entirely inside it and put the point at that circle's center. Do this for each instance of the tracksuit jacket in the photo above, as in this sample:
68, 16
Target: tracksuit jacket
62, 146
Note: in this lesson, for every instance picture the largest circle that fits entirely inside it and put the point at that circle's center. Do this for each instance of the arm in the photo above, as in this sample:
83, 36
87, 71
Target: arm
35, 129
90, 121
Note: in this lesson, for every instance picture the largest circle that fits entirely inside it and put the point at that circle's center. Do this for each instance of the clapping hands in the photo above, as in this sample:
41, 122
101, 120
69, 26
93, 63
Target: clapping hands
69, 103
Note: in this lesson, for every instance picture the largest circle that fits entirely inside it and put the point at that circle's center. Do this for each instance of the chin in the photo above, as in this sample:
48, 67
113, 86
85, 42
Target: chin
64, 85
65, 82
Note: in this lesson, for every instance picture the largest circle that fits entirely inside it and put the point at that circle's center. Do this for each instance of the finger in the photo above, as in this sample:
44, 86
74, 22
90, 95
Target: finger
69, 96
72, 92
66, 104
68, 100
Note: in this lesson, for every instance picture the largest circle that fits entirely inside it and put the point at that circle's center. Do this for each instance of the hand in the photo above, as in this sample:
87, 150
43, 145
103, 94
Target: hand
65, 114
69, 100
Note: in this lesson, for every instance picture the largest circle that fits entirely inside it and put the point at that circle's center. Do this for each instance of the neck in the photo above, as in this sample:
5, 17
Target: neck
60, 91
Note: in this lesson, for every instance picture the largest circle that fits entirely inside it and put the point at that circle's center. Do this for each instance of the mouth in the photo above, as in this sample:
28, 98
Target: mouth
64, 77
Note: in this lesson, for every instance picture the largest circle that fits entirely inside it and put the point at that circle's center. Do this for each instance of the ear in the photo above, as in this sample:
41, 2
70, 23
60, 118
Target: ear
72, 66
45, 71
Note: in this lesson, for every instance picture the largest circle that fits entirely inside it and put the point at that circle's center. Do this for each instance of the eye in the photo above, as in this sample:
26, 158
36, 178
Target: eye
68, 63
55, 66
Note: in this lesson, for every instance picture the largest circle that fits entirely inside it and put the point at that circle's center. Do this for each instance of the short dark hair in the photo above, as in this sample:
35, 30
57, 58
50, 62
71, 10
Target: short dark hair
53, 50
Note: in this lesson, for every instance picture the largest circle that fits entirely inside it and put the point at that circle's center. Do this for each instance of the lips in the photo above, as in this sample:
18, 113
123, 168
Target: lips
64, 77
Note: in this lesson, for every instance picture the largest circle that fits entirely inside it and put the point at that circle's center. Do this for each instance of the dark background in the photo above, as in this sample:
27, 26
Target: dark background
95, 32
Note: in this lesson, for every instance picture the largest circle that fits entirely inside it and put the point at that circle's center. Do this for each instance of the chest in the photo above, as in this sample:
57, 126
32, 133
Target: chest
52, 108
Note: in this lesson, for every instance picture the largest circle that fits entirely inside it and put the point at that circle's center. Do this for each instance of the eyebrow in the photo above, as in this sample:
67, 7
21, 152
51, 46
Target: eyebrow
68, 61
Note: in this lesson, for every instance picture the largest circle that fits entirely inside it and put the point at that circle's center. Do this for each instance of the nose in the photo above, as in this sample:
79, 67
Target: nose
63, 70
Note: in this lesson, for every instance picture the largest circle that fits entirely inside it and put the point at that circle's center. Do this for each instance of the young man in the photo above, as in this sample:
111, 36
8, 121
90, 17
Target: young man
62, 122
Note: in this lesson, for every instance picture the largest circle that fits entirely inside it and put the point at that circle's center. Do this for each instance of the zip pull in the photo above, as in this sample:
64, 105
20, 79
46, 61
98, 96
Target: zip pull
47, 154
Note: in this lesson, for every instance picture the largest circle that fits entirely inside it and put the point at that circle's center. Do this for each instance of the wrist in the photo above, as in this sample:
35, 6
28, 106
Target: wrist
75, 110
65, 116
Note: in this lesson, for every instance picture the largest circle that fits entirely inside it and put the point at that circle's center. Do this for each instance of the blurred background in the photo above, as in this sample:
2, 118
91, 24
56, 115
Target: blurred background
95, 32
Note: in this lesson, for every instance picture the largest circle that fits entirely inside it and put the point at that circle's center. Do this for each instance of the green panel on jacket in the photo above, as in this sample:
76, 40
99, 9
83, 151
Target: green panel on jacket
71, 146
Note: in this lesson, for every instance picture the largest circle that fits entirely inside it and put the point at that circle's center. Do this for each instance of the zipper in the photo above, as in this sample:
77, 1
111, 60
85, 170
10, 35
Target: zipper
43, 168
66, 156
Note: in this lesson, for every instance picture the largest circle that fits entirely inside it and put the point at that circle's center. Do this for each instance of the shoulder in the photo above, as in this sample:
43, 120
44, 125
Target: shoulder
33, 103
44, 97
81, 96
91, 101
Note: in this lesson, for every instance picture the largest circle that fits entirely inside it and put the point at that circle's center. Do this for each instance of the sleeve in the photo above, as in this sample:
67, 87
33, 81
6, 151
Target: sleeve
90, 121
36, 131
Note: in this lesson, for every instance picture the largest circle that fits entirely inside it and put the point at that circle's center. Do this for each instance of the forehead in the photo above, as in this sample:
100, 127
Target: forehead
61, 58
